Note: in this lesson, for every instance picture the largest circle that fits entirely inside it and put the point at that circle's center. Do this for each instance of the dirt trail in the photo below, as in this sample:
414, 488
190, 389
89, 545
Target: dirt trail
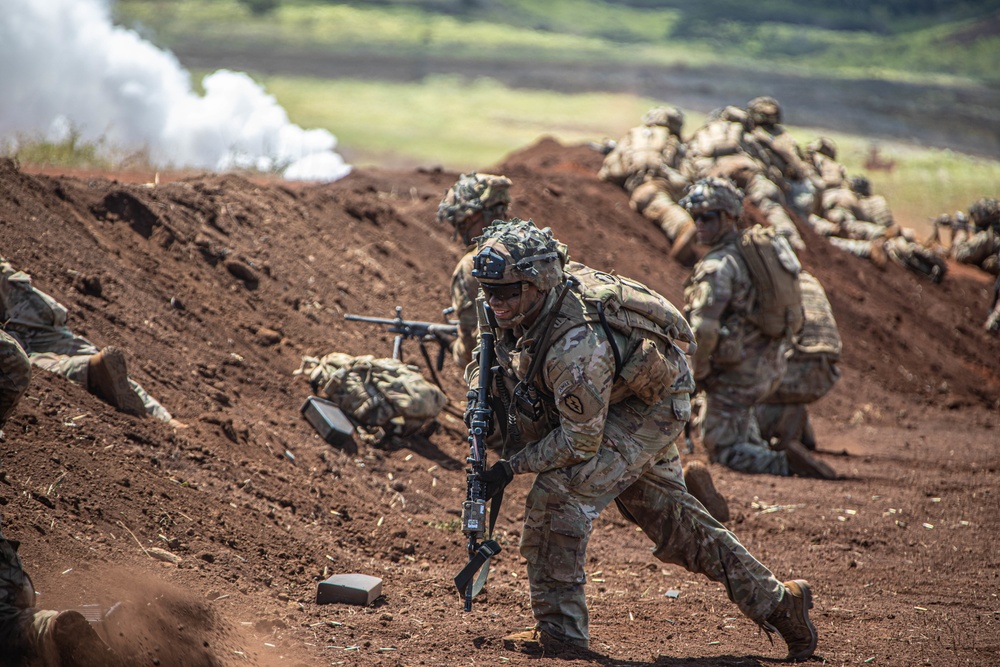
260, 272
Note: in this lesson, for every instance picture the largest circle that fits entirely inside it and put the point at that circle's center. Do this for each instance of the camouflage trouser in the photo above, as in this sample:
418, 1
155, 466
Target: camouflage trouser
657, 200
15, 375
783, 413
26, 638
822, 226
59, 351
857, 247
639, 464
858, 229
729, 430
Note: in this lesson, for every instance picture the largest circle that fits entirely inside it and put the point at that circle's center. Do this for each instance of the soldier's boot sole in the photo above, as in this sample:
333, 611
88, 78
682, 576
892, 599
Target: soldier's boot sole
107, 378
78, 643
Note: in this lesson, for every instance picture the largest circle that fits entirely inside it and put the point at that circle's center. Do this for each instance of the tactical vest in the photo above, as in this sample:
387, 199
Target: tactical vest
819, 333
774, 272
652, 364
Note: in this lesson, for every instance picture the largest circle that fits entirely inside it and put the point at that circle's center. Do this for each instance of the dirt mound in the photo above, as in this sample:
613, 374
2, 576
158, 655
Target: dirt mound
216, 286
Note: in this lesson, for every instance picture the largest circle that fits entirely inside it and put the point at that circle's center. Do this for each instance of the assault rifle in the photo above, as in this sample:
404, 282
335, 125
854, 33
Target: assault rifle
424, 332
474, 523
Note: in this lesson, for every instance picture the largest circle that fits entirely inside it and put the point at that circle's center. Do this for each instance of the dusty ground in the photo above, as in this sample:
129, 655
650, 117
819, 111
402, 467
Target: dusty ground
901, 552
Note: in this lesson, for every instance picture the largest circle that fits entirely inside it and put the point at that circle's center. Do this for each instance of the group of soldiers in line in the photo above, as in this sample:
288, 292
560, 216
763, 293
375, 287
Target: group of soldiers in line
750, 147
607, 396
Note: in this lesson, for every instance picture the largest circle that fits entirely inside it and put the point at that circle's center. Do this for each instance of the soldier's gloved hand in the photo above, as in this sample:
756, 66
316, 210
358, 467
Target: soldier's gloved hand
496, 478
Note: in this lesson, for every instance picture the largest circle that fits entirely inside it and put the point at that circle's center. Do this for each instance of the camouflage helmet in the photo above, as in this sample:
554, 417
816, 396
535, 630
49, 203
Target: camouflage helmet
515, 251
474, 193
985, 212
823, 146
861, 186
764, 110
713, 194
669, 117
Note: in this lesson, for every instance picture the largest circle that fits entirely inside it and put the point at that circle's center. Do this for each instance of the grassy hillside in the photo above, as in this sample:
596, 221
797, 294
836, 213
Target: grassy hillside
890, 38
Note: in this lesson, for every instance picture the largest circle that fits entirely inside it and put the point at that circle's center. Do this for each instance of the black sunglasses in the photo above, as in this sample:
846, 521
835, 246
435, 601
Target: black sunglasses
502, 292
707, 216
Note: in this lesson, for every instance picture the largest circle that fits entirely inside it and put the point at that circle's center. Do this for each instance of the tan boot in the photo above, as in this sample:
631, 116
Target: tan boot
804, 464
78, 644
698, 479
878, 255
791, 620
533, 640
107, 378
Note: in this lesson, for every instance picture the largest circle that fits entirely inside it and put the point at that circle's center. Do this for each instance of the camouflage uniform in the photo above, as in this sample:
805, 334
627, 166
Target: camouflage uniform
723, 148
812, 369
980, 246
788, 167
473, 194
31, 637
718, 296
15, 374
646, 162
38, 323
822, 155
594, 441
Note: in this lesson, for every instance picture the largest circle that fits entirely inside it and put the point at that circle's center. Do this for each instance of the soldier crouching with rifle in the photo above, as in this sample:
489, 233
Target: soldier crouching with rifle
602, 393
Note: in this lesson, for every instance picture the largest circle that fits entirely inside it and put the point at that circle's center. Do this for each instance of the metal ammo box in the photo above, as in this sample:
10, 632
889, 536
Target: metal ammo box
330, 422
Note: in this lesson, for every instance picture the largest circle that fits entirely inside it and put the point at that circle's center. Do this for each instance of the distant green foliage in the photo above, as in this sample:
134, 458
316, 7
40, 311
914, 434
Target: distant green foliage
260, 7
897, 38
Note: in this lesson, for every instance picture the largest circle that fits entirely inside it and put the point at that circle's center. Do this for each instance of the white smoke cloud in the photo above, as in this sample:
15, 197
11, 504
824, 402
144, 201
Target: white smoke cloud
64, 67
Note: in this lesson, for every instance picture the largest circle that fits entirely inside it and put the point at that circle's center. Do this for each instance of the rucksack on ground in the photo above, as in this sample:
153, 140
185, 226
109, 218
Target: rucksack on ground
376, 393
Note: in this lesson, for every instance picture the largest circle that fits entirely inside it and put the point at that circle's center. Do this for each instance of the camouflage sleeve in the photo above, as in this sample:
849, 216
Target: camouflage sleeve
977, 248
464, 290
706, 298
579, 371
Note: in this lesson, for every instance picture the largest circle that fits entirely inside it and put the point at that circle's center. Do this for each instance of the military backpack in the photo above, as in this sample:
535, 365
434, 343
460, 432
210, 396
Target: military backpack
378, 393
774, 272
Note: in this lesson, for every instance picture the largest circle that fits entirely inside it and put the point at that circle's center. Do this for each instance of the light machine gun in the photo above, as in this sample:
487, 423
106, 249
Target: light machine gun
474, 522
441, 333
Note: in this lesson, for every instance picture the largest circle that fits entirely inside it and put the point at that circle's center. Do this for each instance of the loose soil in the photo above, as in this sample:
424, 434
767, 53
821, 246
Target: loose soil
216, 286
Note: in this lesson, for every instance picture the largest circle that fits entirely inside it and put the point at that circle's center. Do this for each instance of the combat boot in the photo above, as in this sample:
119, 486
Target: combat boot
107, 378
878, 255
791, 620
698, 480
804, 464
535, 640
78, 644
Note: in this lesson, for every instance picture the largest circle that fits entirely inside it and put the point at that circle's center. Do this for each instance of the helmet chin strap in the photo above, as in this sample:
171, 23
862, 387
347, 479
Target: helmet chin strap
522, 314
